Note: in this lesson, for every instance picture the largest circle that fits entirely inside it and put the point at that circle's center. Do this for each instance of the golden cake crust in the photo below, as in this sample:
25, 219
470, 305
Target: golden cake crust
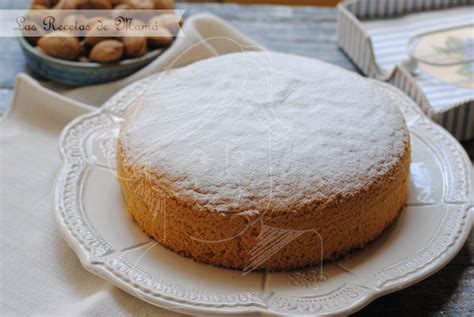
231, 222
227, 239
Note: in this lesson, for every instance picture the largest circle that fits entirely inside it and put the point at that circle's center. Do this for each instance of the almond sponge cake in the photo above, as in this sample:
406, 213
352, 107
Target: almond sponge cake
261, 160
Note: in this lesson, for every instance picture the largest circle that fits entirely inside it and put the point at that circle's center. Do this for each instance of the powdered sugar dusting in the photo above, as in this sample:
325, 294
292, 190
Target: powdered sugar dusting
247, 130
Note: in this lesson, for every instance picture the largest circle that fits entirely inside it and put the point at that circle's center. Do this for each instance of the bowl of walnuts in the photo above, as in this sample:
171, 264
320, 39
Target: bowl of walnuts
90, 57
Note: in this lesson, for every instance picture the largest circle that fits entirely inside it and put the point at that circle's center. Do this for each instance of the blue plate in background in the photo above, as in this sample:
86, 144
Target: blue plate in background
82, 74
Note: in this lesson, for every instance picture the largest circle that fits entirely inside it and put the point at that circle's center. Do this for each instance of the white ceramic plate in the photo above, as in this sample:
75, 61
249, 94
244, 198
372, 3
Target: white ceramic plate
91, 214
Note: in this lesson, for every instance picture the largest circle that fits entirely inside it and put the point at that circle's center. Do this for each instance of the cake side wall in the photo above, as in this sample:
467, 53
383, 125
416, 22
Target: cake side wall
234, 240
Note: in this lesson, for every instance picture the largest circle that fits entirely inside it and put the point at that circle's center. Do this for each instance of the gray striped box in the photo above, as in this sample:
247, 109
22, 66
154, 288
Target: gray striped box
457, 116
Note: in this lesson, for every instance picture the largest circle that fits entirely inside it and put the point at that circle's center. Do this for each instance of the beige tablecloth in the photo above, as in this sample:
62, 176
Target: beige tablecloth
40, 273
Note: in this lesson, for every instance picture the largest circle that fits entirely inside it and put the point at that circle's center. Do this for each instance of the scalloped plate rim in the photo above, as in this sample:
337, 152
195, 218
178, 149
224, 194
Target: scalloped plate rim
97, 267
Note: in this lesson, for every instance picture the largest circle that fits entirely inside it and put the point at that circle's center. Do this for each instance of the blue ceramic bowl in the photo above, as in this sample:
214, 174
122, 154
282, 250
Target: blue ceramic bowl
82, 74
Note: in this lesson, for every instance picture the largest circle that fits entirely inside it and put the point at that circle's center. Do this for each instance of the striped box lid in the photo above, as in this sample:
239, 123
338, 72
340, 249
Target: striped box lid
375, 33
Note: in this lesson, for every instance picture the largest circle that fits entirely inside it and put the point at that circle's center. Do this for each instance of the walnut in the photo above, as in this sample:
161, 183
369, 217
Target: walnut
121, 9
66, 5
60, 44
94, 4
37, 15
135, 46
35, 6
160, 37
124, 6
107, 51
93, 20
117, 2
44, 3
98, 33
71, 20
164, 4
142, 4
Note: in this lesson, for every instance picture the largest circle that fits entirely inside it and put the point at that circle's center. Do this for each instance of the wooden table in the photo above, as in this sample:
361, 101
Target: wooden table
308, 31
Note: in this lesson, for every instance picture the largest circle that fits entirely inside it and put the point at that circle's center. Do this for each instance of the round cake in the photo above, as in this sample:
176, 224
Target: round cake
263, 161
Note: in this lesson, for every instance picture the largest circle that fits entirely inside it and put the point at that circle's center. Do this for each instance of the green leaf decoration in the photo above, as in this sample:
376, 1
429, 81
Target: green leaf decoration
452, 46
466, 71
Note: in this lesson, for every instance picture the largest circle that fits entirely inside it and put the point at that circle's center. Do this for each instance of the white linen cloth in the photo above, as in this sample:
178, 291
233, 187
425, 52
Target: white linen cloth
40, 274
